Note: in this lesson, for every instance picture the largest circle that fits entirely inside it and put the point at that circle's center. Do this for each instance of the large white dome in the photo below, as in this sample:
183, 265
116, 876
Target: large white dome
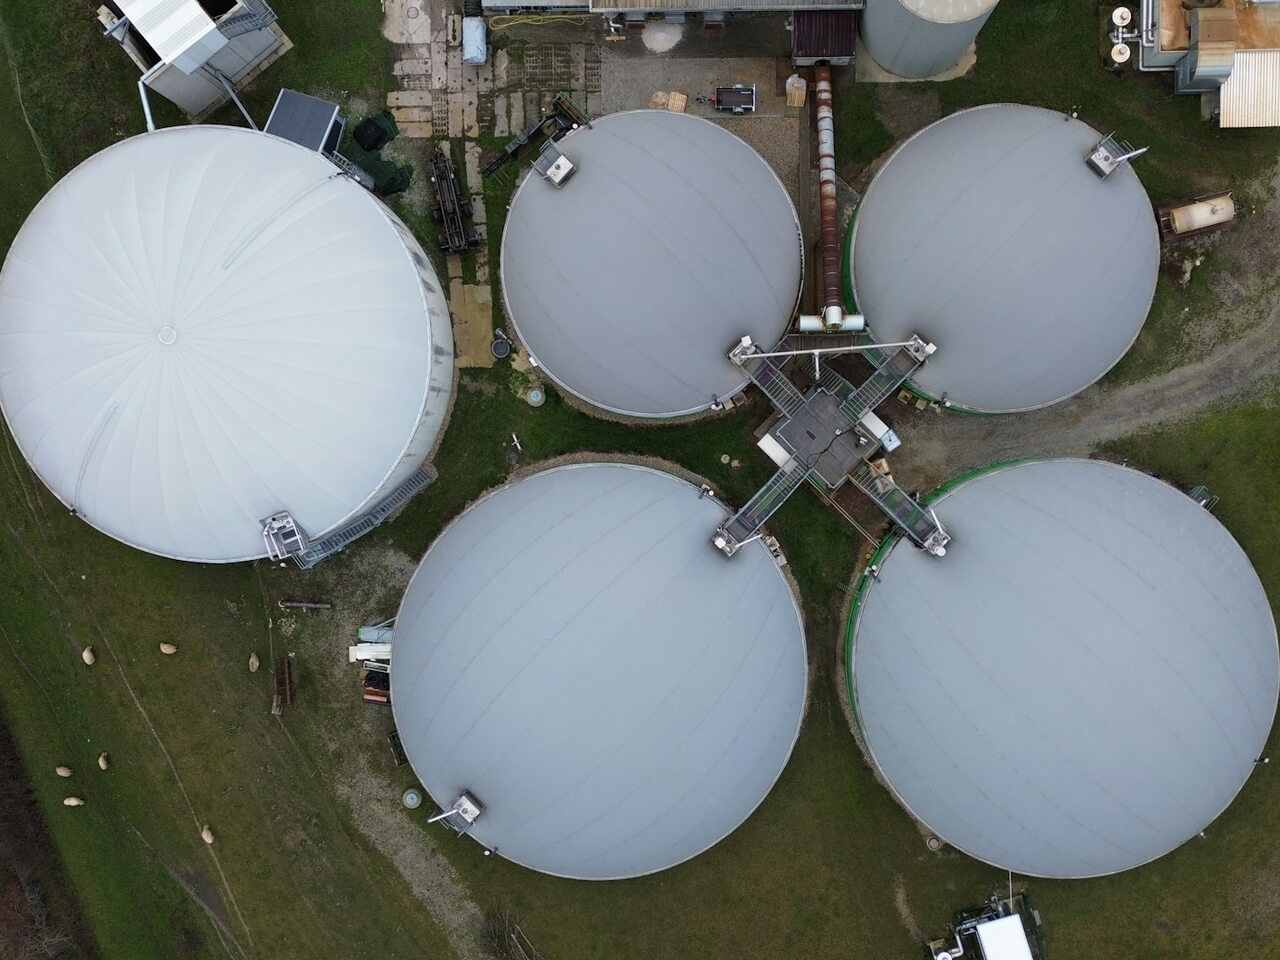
202, 326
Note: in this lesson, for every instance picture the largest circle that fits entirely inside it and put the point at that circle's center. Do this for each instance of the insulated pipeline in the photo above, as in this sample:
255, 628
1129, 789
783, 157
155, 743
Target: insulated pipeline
828, 210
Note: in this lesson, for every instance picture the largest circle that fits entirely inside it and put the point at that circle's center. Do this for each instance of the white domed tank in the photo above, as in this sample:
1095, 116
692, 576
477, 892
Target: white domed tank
1081, 685
631, 280
203, 327
575, 661
921, 38
988, 234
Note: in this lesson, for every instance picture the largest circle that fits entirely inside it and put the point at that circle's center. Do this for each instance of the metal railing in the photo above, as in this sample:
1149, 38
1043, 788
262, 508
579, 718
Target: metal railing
332, 543
748, 521
916, 520
255, 16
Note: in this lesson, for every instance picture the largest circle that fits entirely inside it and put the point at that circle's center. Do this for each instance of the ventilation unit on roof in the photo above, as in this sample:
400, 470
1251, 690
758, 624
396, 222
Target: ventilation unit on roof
1110, 154
553, 165
464, 812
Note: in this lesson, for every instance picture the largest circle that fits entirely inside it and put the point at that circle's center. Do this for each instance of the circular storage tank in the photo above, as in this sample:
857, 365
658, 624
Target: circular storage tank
921, 38
631, 281
987, 234
1081, 685
203, 326
575, 654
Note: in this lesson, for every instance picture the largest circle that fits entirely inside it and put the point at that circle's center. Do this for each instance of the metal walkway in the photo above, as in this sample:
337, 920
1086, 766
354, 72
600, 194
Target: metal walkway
916, 520
892, 370
746, 523
255, 16
327, 546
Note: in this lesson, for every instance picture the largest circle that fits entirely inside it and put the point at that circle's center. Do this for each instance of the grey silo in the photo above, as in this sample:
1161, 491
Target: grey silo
630, 283
987, 234
1082, 684
575, 653
920, 38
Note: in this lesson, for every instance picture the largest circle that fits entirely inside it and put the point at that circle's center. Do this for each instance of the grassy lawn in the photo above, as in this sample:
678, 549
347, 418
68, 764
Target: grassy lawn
827, 868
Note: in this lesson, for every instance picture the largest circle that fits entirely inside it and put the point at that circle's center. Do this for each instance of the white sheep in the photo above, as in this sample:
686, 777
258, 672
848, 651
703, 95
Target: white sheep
72, 802
168, 649
87, 656
62, 771
103, 761
206, 834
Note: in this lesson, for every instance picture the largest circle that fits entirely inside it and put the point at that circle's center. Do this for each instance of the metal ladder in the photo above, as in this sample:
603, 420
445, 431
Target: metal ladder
328, 545
746, 523
256, 16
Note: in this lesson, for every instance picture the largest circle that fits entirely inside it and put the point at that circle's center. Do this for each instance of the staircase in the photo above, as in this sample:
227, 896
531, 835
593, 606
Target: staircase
327, 546
766, 375
256, 15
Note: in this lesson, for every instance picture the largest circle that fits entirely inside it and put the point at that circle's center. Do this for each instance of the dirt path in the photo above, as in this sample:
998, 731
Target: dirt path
936, 447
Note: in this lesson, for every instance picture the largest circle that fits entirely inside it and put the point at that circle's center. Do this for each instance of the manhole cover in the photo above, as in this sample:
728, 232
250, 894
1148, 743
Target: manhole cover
413, 13
412, 798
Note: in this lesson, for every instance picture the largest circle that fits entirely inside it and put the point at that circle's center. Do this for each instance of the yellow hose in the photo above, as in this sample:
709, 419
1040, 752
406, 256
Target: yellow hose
504, 20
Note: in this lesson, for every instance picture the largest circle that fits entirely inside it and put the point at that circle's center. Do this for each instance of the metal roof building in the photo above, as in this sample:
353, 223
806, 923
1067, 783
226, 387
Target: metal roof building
1082, 684
920, 38
202, 326
576, 655
630, 282
988, 234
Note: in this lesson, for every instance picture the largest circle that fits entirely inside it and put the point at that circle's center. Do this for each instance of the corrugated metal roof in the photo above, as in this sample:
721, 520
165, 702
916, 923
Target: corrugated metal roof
174, 27
1082, 684
631, 283
575, 653
822, 33
987, 234
1251, 95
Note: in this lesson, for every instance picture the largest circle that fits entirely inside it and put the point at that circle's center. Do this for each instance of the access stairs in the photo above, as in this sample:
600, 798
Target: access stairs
332, 543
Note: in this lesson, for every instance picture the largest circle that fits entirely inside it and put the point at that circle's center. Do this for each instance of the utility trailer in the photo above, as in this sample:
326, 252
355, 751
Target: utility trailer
451, 206
737, 98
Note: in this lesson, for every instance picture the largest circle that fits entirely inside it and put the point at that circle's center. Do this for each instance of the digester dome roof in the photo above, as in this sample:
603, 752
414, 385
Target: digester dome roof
202, 326
987, 234
1081, 684
575, 653
632, 281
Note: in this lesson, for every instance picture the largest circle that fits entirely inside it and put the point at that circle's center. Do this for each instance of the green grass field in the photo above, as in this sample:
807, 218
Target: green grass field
828, 867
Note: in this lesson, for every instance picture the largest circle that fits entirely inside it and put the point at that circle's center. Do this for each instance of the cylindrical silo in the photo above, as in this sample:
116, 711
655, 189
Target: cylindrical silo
203, 327
1081, 685
918, 38
989, 235
575, 658
630, 281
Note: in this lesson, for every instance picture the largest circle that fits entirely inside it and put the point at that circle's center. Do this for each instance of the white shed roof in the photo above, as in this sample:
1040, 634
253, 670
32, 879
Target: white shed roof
179, 31
575, 653
204, 325
1081, 684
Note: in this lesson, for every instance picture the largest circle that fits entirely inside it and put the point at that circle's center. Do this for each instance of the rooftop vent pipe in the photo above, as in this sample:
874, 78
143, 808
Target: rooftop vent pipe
833, 318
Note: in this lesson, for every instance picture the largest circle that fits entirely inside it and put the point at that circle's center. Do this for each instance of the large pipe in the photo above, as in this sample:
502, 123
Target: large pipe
828, 210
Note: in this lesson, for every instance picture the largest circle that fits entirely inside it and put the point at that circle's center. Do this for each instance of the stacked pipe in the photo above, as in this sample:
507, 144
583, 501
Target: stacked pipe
833, 318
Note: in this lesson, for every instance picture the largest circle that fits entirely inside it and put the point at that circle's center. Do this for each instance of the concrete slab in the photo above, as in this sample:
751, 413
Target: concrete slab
409, 98
517, 113
453, 263
439, 66
501, 65
500, 126
416, 130
406, 115
411, 66
455, 114
470, 115
406, 21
